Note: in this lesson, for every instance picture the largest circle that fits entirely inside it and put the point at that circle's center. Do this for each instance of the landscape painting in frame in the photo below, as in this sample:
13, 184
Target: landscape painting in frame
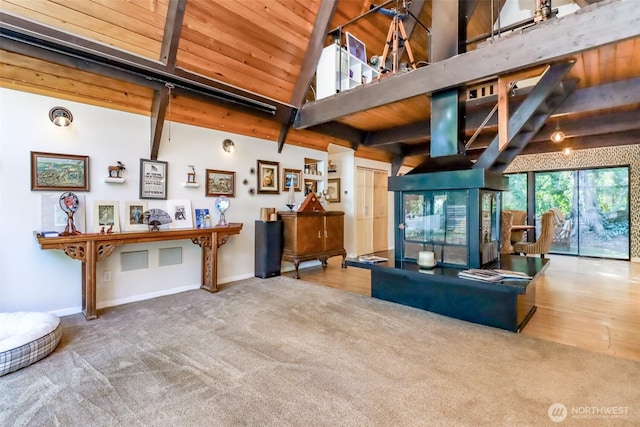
220, 183
64, 172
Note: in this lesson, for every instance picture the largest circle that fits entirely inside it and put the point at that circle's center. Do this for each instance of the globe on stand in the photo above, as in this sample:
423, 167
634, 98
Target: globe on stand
222, 204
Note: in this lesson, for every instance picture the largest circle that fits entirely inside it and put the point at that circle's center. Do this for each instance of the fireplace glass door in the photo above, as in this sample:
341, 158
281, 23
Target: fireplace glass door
436, 221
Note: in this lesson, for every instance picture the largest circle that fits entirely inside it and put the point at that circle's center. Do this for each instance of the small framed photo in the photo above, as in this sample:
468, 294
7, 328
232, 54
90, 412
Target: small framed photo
333, 190
133, 216
203, 219
180, 212
220, 183
153, 179
268, 177
106, 217
63, 172
289, 176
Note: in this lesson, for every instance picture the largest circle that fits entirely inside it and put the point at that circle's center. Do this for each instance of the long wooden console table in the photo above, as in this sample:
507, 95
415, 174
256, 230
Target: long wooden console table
91, 248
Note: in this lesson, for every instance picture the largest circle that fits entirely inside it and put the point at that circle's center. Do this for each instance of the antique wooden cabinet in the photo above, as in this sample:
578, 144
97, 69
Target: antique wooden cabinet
312, 235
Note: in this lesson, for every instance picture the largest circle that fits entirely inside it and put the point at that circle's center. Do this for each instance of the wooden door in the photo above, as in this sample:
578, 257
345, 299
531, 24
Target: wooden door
372, 211
334, 232
380, 211
364, 211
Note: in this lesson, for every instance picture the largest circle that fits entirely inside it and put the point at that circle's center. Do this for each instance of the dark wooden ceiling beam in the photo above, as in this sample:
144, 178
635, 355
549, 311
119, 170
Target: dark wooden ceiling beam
585, 142
314, 50
609, 123
172, 31
341, 131
551, 40
309, 63
611, 95
161, 99
168, 54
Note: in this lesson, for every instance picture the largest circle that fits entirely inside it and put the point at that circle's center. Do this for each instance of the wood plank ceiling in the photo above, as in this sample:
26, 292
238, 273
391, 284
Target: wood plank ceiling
247, 67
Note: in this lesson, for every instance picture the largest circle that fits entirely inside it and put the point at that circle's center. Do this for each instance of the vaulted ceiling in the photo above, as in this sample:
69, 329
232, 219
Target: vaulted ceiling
248, 67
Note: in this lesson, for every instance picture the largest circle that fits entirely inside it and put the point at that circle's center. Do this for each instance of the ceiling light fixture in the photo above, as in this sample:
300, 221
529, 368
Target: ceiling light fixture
228, 145
60, 116
567, 151
557, 135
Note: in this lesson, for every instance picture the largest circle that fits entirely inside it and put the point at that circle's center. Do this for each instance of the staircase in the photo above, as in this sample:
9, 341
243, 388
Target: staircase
532, 114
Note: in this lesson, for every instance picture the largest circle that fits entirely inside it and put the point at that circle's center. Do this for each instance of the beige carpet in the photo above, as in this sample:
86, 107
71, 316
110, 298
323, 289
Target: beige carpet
281, 352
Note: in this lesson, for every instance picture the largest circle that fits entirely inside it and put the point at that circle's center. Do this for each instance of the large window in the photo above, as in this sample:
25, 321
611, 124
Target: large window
594, 203
516, 197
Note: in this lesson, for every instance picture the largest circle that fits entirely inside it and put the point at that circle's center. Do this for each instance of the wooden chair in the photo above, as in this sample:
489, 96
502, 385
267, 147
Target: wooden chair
543, 244
506, 222
519, 218
562, 232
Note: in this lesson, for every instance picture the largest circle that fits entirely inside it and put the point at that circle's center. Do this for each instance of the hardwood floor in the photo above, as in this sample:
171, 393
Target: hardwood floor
588, 303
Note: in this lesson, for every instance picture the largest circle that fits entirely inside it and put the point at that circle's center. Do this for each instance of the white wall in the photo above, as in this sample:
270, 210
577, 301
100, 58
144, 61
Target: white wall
47, 280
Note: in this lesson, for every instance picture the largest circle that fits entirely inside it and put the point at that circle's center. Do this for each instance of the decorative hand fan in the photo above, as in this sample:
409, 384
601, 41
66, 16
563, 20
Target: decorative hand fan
155, 218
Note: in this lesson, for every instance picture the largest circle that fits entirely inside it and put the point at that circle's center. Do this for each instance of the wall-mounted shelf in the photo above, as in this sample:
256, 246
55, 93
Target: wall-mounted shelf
313, 175
191, 184
113, 180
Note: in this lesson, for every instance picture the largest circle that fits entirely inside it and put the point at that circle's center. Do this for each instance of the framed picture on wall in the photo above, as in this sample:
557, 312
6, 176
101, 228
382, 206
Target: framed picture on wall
220, 183
291, 175
64, 172
333, 190
153, 179
268, 177
106, 217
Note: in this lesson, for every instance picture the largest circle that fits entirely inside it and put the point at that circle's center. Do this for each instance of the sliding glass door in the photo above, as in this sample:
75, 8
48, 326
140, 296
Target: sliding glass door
594, 204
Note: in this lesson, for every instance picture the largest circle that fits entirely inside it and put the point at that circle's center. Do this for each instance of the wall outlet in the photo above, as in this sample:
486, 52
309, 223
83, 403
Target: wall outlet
106, 276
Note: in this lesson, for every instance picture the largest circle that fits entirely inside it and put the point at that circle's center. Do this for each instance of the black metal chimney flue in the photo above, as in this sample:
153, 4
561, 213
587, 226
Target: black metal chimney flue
449, 34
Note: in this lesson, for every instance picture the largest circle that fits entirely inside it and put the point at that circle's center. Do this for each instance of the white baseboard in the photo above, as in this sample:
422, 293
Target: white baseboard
66, 311
141, 297
234, 278
150, 295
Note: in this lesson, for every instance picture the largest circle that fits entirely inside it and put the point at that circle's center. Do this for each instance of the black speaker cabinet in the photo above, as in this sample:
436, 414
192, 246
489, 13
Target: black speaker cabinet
268, 248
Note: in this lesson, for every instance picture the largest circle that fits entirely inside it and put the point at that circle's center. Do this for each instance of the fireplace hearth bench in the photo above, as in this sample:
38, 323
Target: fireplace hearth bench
506, 305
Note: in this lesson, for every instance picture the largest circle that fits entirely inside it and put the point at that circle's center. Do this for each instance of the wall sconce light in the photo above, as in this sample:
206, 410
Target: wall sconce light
60, 116
557, 135
567, 151
228, 145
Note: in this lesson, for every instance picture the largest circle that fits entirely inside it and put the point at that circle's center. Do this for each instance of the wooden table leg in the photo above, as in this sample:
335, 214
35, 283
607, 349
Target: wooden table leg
89, 282
210, 264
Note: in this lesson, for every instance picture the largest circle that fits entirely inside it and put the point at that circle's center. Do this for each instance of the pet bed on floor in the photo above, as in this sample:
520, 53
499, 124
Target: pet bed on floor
26, 337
